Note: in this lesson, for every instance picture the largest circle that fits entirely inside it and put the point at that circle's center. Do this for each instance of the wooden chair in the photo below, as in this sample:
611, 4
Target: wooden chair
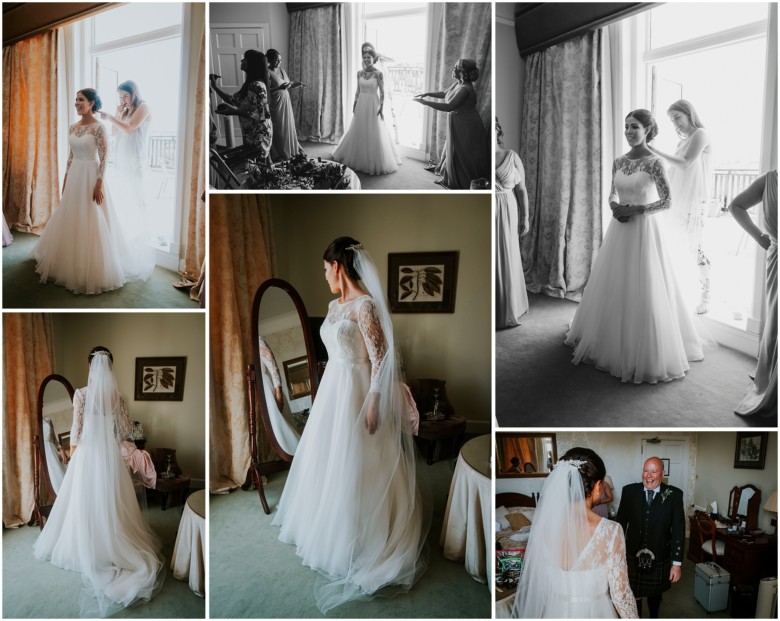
709, 544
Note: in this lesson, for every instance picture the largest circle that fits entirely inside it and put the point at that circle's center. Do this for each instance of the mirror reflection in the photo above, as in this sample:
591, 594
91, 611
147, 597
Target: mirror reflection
525, 454
57, 417
283, 351
744, 503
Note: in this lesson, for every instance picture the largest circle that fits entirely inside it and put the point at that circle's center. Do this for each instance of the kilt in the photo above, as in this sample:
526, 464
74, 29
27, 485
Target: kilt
647, 583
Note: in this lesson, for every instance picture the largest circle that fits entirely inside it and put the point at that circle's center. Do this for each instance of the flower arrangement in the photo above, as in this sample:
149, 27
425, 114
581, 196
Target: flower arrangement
298, 173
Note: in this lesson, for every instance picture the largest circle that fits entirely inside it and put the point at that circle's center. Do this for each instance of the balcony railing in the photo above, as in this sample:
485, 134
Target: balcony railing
161, 154
729, 182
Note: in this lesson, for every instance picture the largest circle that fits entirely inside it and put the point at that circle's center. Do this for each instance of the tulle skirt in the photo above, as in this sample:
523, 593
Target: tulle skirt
367, 146
635, 319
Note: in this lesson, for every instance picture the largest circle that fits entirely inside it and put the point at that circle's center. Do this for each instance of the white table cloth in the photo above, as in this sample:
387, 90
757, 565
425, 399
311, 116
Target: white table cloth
188, 563
467, 532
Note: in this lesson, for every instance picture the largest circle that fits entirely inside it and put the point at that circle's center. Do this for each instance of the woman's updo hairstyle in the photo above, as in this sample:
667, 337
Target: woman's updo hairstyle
340, 251
592, 469
645, 117
271, 54
466, 69
92, 96
369, 49
95, 350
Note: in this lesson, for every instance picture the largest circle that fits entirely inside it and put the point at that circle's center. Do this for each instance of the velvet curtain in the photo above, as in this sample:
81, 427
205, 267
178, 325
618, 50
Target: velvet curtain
315, 59
240, 258
464, 32
27, 359
30, 172
561, 152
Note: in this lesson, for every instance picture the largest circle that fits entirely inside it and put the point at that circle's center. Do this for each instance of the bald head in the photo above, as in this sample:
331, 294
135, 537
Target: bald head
653, 473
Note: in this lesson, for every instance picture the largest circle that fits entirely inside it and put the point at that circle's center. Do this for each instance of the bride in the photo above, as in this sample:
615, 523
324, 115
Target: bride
96, 526
351, 504
368, 146
575, 561
634, 320
83, 247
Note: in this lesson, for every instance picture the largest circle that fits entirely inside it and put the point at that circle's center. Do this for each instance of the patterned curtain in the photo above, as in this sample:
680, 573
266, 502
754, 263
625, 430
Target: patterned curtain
30, 172
561, 151
240, 258
27, 358
315, 59
465, 32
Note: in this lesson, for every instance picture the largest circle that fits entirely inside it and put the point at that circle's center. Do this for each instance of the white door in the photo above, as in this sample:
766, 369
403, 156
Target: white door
228, 44
674, 454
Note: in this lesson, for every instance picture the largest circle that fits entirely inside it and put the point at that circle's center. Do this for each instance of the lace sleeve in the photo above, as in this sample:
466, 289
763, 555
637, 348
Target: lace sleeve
617, 575
102, 148
269, 362
613, 195
357, 88
380, 80
78, 417
658, 174
374, 337
123, 425
70, 154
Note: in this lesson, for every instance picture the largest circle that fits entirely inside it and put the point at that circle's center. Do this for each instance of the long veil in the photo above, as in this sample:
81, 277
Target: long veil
559, 534
389, 553
383, 64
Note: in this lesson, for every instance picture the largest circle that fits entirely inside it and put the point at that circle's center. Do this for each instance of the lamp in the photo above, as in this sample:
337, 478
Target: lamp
771, 506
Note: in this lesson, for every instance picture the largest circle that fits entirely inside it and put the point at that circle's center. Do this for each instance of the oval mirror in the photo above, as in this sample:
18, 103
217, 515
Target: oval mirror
745, 502
54, 411
525, 454
285, 364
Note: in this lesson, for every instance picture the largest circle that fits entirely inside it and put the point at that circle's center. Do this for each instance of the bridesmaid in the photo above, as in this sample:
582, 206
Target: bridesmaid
466, 154
761, 395
511, 225
285, 139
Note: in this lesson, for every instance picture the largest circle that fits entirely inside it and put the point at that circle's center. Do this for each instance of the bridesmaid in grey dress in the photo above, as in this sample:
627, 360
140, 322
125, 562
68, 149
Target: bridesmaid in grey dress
285, 138
761, 394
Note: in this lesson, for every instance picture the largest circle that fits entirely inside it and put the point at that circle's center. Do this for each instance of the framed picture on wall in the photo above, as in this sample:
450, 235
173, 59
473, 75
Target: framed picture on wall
750, 451
422, 282
160, 379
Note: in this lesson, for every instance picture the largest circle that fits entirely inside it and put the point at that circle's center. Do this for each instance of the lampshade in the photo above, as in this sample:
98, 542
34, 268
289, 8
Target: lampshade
771, 503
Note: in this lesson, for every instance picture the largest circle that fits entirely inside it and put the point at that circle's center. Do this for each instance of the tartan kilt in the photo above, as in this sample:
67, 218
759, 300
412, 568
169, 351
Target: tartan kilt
647, 583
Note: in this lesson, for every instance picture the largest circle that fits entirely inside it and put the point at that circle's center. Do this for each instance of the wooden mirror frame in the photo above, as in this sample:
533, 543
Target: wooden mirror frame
42, 487
257, 395
522, 434
753, 506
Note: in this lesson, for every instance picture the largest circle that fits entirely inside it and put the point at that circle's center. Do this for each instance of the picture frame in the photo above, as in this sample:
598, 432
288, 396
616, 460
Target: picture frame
667, 463
296, 373
750, 449
422, 282
160, 378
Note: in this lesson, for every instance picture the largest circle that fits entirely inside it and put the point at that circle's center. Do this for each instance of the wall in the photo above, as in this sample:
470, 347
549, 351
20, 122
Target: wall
509, 76
455, 347
175, 424
272, 13
717, 474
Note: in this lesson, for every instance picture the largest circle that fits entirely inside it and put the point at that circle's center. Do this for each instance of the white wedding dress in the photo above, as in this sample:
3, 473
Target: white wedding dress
636, 318
284, 432
368, 146
351, 504
84, 247
96, 526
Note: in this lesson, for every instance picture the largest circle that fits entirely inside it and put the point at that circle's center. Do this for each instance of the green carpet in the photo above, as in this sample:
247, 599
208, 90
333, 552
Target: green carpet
538, 386
38, 589
22, 287
253, 574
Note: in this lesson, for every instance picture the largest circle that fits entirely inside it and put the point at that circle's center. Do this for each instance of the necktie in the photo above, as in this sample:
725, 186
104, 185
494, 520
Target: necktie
649, 497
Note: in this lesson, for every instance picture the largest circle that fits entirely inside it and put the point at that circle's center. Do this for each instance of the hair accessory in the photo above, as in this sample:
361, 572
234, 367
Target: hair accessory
571, 463
101, 352
354, 247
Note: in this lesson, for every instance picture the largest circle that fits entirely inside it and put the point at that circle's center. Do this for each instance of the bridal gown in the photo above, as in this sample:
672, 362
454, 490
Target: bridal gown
84, 247
511, 296
368, 146
96, 526
284, 432
635, 319
348, 505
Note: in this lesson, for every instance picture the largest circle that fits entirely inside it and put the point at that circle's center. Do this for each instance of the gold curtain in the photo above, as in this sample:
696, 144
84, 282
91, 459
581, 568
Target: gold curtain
28, 356
240, 258
30, 172
195, 253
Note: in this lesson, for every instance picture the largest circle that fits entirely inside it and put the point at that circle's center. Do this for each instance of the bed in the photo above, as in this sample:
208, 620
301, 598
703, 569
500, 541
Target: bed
514, 515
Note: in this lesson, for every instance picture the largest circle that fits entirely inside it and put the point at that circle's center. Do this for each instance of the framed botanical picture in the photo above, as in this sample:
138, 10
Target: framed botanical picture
750, 451
422, 282
160, 379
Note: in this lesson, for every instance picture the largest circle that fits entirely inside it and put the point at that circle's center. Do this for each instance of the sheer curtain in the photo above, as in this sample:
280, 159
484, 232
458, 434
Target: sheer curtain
458, 30
240, 258
30, 170
561, 151
315, 58
28, 356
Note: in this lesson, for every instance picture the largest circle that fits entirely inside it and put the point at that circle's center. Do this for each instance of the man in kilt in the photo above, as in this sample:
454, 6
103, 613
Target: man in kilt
653, 520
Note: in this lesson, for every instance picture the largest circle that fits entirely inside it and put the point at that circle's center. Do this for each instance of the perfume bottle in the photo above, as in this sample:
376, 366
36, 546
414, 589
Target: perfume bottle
169, 473
438, 409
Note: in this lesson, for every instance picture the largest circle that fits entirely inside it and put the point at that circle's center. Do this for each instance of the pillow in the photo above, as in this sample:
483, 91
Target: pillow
501, 518
517, 521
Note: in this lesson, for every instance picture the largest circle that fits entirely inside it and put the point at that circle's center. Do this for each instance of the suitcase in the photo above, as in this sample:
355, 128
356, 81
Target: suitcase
712, 586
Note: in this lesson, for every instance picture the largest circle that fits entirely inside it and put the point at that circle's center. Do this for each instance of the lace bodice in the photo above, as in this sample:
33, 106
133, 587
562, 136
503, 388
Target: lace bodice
352, 332
87, 141
268, 361
122, 425
641, 182
369, 82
